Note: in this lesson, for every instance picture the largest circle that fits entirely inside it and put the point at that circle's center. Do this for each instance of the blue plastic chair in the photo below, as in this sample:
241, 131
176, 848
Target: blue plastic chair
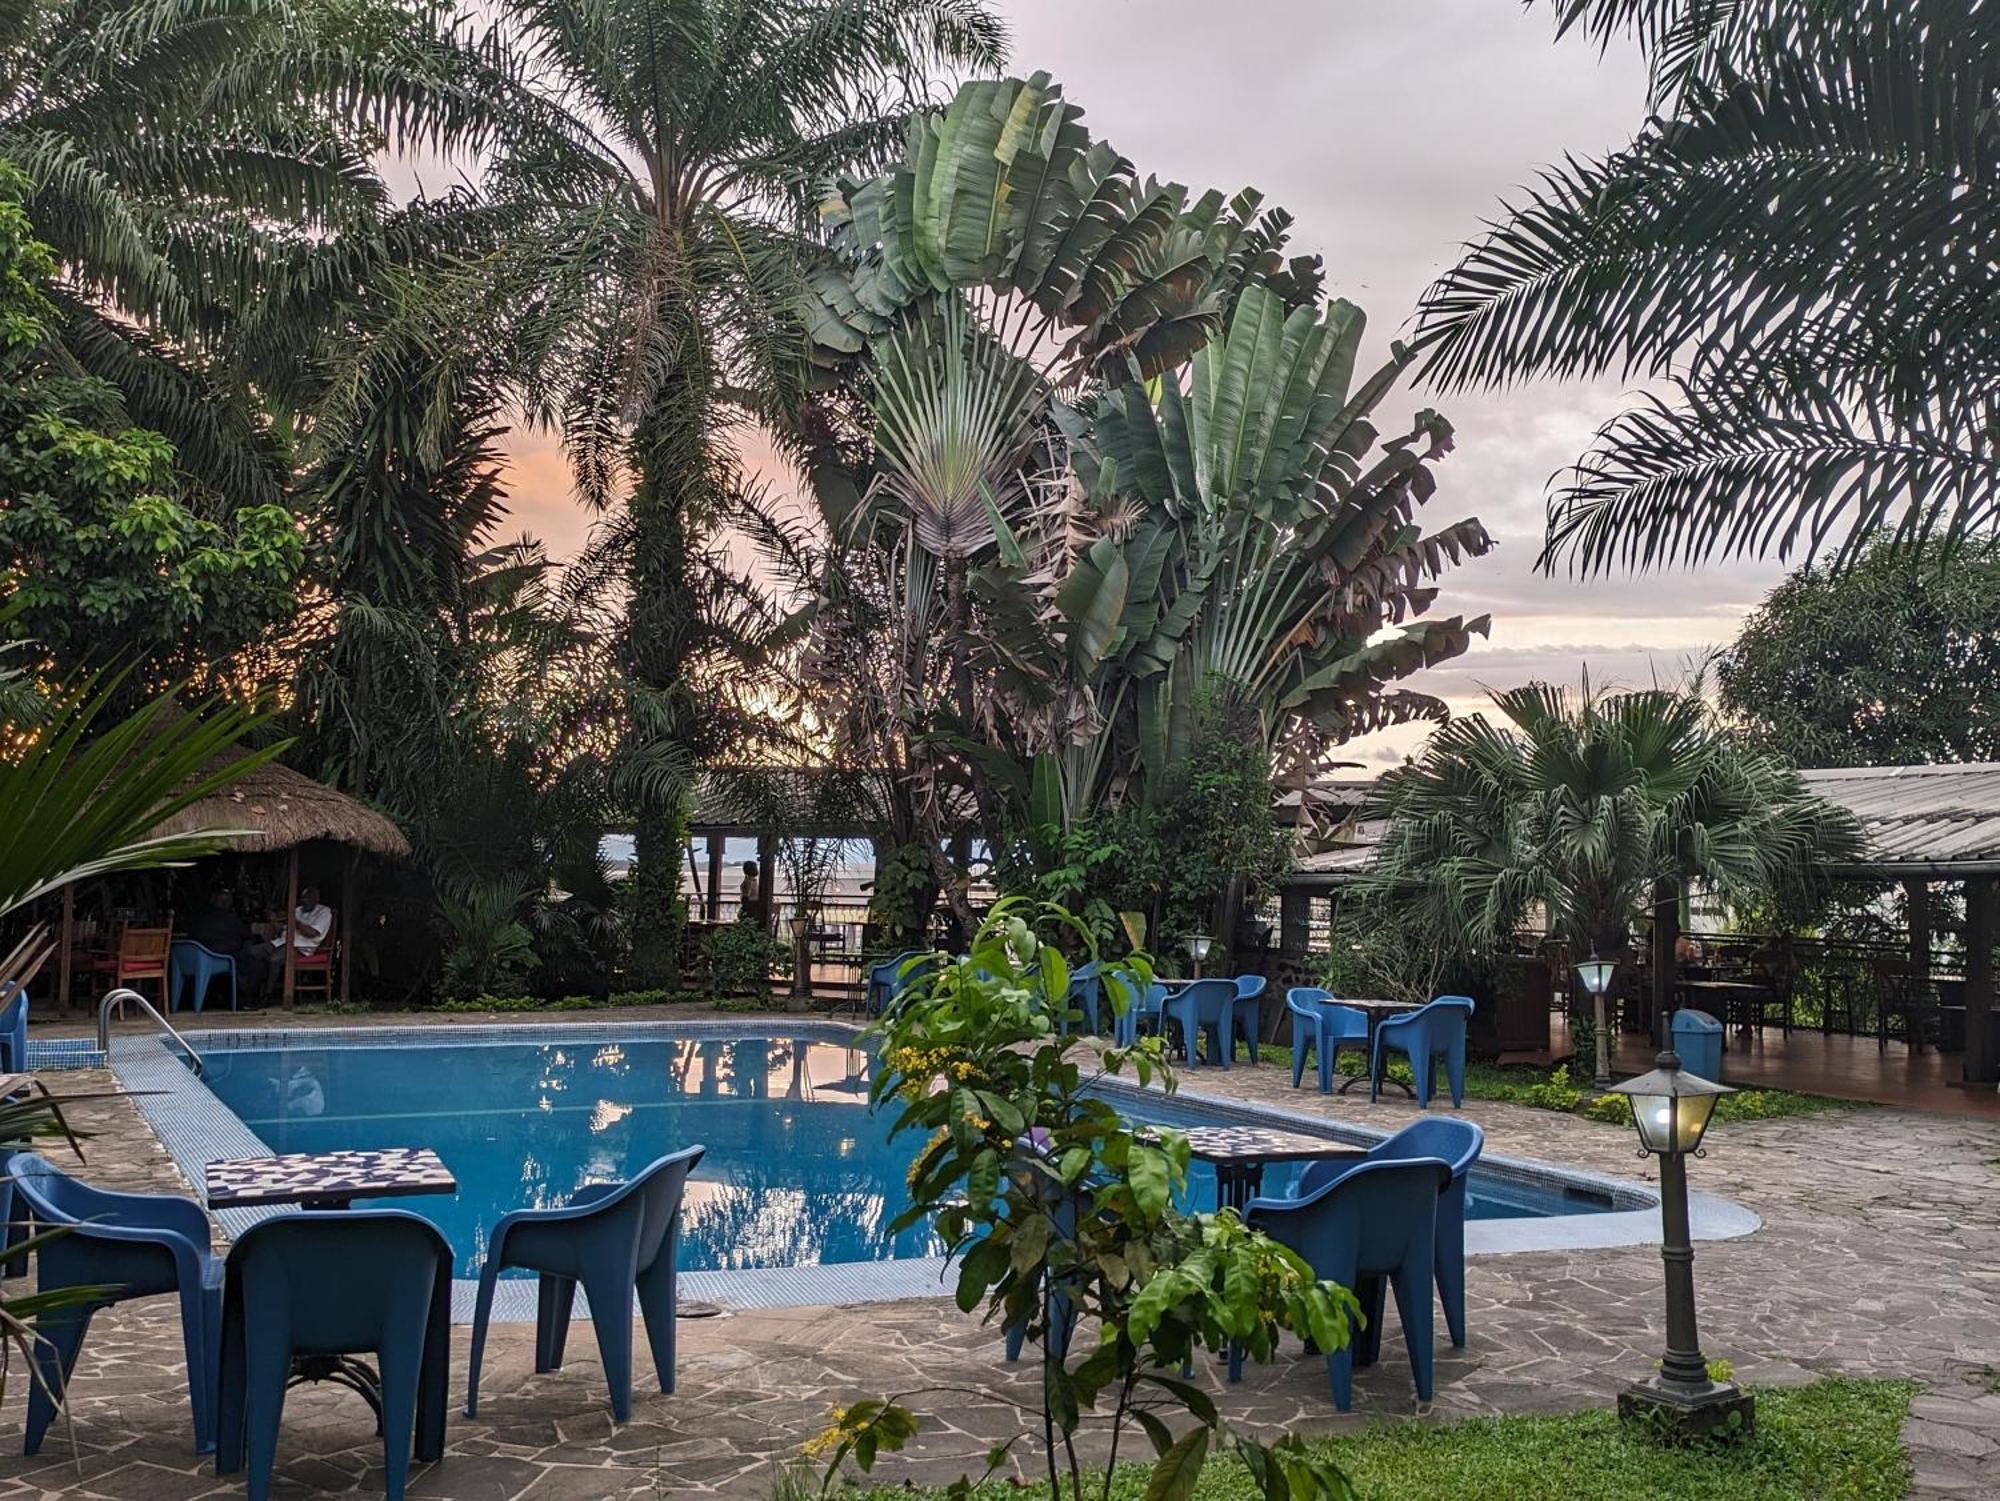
1372, 1230
1322, 1025
892, 977
1086, 992
1205, 1006
364, 1282
196, 964
1458, 1144
127, 1246
614, 1238
1248, 1015
1143, 1014
14, 1034
1434, 1030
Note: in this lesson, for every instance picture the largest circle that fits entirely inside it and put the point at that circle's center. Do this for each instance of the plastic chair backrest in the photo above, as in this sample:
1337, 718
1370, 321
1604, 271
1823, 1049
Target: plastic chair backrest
1379, 1211
658, 1187
1456, 1143
337, 1280
52, 1195
1305, 1000
1249, 987
1208, 997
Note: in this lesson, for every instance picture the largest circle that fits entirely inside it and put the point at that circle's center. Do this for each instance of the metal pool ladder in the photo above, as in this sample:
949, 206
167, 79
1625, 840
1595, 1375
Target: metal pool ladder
114, 1004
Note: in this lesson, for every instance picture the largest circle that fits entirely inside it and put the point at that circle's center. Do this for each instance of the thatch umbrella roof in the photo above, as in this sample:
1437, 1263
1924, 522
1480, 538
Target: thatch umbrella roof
283, 809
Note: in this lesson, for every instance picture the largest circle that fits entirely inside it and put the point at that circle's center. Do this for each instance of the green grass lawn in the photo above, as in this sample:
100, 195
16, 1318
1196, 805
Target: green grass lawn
1555, 1089
1835, 1440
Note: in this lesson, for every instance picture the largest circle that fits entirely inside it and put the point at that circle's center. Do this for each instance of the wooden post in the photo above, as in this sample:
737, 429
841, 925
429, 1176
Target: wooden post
767, 878
63, 977
1982, 1060
1918, 894
345, 957
1666, 935
291, 920
715, 847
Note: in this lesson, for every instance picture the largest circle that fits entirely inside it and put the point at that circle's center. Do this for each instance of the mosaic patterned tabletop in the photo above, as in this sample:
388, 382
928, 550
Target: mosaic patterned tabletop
1247, 1144
327, 1177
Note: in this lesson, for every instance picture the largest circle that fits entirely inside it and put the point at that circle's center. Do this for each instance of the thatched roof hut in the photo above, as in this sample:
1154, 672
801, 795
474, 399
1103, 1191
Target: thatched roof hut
283, 810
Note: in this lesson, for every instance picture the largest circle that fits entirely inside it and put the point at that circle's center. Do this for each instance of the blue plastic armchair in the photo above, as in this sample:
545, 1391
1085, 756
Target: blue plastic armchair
1086, 993
1142, 1015
1434, 1031
1205, 1006
129, 1246
1458, 1144
892, 977
366, 1282
1322, 1026
196, 964
1247, 1016
1373, 1229
14, 1034
617, 1239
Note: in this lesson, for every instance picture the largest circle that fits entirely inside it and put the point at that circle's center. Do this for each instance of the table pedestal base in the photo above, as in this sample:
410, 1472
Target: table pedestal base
357, 1376
1362, 1080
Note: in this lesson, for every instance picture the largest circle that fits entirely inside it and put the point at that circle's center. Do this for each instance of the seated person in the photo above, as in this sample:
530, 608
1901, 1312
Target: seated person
221, 931
312, 920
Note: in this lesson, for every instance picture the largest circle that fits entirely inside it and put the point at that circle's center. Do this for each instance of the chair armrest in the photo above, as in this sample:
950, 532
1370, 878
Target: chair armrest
146, 1215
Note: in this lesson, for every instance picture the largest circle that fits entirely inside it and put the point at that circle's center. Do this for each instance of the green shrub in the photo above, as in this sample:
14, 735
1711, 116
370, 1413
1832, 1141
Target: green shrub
738, 960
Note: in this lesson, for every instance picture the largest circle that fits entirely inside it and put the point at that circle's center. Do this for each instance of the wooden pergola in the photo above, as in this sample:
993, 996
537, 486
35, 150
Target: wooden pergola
278, 809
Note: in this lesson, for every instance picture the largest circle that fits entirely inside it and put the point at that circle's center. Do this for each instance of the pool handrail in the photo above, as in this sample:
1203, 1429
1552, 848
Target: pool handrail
115, 1003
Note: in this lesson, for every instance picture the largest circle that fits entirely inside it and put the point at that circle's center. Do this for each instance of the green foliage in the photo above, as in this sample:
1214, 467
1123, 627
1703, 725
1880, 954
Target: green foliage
490, 950
106, 558
1752, 246
1585, 812
1835, 1438
1041, 1191
617, 1001
738, 960
1892, 662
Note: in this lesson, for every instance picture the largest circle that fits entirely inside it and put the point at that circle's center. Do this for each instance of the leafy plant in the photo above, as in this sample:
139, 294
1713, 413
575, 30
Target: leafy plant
490, 948
738, 959
1061, 1217
1589, 810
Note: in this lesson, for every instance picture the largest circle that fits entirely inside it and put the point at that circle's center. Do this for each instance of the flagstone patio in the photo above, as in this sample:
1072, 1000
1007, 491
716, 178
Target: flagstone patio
1880, 1255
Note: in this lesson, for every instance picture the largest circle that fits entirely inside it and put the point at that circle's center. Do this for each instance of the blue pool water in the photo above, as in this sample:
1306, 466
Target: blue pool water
798, 1170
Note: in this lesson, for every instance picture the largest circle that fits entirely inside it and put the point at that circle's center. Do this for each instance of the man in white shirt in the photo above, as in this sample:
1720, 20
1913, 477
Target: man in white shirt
312, 920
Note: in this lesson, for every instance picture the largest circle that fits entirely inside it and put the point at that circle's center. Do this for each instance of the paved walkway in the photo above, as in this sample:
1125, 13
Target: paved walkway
1880, 1256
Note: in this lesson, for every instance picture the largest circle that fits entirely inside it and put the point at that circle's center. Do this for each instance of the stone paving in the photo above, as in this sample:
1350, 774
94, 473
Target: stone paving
1880, 1255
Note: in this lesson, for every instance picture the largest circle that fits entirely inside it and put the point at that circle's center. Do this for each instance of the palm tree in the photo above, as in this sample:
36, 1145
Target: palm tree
664, 194
1802, 246
1587, 811
202, 168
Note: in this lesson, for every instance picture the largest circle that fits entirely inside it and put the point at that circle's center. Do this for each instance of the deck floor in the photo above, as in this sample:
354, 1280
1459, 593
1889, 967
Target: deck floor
1848, 1068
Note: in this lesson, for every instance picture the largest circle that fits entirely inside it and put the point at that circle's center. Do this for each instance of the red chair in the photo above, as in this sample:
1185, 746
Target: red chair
312, 974
142, 955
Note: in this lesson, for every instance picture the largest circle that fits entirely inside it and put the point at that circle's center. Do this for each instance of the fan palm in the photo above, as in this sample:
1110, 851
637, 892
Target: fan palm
1803, 248
661, 198
1585, 810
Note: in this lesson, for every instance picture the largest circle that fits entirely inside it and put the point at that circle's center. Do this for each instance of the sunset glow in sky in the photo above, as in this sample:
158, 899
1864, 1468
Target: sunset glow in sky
1390, 129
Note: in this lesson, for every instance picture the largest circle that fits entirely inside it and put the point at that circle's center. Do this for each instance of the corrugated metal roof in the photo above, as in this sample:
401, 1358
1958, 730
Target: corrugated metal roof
1940, 820
1920, 817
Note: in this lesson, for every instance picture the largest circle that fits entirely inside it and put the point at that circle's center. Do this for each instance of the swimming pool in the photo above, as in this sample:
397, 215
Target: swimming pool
798, 1171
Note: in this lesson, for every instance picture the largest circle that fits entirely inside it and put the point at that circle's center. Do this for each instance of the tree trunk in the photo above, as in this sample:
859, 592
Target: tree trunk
673, 496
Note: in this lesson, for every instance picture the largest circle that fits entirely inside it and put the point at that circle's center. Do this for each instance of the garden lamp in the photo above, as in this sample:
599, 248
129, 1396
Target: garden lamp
1596, 973
801, 925
1671, 1109
1198, 945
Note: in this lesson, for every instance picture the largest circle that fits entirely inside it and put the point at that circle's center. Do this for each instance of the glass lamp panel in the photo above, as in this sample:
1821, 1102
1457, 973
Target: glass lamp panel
1654, 1115
1694, 1111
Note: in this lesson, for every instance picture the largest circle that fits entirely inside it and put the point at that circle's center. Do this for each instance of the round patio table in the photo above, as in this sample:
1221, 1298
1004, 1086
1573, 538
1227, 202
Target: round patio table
1377, 1012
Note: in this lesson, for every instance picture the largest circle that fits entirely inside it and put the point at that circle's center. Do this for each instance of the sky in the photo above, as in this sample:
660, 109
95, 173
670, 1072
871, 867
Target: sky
1391, 129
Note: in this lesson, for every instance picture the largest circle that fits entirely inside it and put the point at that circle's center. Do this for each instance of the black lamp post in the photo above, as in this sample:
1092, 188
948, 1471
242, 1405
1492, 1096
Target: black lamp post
1671, 1109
